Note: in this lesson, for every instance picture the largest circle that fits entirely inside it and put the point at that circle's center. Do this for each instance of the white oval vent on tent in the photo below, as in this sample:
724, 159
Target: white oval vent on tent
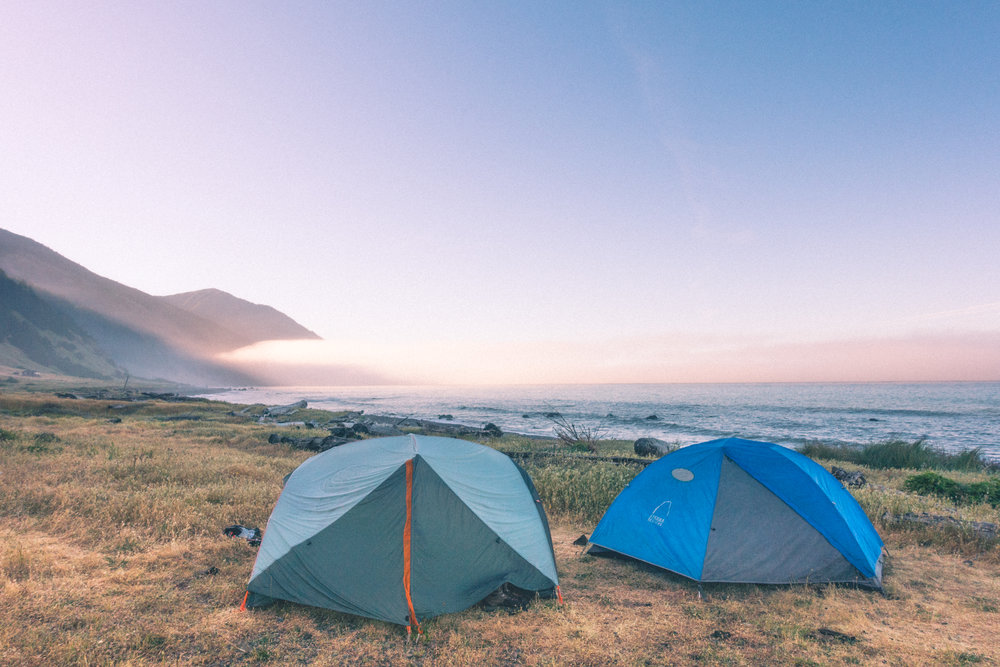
682, 474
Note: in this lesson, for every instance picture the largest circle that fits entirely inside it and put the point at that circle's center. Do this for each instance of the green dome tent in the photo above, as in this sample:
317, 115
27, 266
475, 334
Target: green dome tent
403, 528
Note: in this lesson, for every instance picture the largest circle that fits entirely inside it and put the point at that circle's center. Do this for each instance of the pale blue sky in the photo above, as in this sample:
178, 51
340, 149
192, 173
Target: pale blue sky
505, 177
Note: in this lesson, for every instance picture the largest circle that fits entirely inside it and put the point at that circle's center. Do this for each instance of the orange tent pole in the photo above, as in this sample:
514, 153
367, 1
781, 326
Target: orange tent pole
406, 545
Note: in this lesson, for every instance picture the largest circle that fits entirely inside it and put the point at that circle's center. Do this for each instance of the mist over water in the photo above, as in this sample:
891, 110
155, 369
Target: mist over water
951, 416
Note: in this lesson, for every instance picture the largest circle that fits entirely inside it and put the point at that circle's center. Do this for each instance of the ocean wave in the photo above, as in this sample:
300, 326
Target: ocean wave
952, 416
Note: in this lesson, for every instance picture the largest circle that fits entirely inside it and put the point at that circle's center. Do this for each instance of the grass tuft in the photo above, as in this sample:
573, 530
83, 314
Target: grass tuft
578, 489
916, 455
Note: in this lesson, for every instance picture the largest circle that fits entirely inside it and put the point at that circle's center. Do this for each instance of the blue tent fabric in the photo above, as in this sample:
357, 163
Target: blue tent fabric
668, 513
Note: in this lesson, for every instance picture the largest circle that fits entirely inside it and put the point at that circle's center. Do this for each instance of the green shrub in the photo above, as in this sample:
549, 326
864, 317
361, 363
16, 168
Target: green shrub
933, 484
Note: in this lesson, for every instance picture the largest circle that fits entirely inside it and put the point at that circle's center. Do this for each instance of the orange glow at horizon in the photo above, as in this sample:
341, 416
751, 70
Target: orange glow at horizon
972, 357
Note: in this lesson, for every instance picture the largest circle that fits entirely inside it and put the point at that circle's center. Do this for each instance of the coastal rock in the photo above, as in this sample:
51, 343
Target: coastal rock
343, 430
491, 430
652, 418
854, 478
383, 430
651, 447
316, 444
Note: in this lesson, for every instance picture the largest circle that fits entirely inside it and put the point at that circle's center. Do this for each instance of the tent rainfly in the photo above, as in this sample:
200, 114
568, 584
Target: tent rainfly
402, 529
735, 510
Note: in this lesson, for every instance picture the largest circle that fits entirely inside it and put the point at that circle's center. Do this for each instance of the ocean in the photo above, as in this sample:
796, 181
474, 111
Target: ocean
951, 416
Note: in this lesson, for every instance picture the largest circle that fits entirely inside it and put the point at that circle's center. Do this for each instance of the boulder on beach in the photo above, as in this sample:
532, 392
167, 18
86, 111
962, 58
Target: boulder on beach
491, 430
651, 447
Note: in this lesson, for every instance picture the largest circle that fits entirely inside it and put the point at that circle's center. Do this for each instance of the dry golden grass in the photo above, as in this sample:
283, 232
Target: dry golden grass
111, 552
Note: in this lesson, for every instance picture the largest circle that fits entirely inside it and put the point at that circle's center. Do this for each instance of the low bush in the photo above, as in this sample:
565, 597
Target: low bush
917, 455
934, 484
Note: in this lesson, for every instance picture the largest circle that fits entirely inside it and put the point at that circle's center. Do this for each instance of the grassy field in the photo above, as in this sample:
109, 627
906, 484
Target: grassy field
111, 552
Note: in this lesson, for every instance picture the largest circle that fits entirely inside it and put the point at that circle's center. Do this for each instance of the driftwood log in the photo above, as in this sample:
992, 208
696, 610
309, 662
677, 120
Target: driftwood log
982, 529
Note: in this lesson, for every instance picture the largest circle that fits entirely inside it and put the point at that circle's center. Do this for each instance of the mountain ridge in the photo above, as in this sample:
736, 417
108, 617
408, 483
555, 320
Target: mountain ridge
233, 312
175, 337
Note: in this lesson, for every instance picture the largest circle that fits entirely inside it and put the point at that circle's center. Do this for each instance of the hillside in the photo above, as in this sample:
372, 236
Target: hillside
49, 272
37, 335
174, 338
234, 313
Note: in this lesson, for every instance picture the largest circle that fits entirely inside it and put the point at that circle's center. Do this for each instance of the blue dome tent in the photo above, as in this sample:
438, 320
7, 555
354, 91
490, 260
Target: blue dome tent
736, 510
402, 529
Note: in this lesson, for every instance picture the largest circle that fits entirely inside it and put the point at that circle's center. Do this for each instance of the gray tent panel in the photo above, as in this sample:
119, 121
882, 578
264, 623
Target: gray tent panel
475, 560
756, 537
354, 565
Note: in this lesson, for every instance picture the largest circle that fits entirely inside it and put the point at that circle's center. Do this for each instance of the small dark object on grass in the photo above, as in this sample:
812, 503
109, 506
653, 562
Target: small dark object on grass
251, 535
65, 395
211, 571
114, 420
827, 633
507, 597
721, 634
855, 478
